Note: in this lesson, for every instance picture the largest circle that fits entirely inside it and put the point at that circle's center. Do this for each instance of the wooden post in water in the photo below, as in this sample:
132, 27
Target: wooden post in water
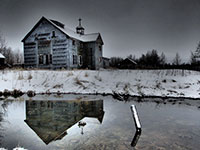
136, 118
137, 126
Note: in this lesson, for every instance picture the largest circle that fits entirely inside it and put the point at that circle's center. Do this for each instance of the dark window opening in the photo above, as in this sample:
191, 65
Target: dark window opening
50, 59
53, 34
100, 47
74, 59
73, 42
41, 59
47, 59
81, 45
80, 60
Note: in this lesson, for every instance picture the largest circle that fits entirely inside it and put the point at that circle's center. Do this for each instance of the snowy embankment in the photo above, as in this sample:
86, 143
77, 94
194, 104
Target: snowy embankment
173, 83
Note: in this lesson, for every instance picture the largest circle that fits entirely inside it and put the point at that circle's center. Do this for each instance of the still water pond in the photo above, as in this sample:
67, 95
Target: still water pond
88, 122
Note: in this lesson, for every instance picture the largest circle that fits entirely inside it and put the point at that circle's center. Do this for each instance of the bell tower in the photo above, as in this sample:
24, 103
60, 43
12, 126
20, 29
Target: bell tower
79, 28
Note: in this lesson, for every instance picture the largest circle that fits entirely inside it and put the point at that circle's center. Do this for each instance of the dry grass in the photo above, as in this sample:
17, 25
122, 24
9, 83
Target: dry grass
70, 74
30, 76
86, 74
20, 76
58, 86
98, 78
78, 82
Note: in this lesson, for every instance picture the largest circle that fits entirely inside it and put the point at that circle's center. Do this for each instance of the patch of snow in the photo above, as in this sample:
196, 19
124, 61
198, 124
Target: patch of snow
1, 56
16, 148
173, 83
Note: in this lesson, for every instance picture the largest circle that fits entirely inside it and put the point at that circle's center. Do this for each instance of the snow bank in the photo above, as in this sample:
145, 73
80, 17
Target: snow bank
174, 83
17, 148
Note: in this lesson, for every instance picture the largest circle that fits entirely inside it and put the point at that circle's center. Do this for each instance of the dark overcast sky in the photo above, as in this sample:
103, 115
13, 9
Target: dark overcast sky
127, 26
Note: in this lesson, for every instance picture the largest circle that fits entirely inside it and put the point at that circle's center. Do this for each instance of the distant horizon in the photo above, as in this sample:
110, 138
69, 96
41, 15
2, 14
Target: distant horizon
131, 27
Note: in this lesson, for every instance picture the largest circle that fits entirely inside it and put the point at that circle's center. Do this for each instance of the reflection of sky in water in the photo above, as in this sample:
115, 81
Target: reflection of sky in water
163, 126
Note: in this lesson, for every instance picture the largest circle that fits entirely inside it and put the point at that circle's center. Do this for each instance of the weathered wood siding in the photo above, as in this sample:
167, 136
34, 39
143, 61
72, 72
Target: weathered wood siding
30, 54
58, 47
49, 47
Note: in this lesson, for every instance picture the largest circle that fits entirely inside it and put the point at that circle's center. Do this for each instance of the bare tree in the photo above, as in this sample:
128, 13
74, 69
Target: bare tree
193, 59
18, 57
162, 59
177, 59
195, 56
6, 51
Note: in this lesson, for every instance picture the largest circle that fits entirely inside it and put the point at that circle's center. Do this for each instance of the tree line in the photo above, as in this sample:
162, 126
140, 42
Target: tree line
11, 56
152, 60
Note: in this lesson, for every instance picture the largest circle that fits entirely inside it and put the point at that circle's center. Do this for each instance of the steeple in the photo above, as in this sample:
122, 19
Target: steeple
79, 28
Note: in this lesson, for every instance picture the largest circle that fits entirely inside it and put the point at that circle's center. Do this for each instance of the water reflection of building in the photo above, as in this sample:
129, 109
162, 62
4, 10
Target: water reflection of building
50, 119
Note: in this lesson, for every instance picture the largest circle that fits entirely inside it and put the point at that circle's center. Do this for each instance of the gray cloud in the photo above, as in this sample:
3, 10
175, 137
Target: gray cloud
127, 27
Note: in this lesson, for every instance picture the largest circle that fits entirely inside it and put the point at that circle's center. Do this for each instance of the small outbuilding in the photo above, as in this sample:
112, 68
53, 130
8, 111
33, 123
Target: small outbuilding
2, 60
106, 62
128, 63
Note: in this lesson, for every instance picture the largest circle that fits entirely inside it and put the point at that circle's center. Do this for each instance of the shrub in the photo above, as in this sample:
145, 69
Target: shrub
20, 77
70, 74
30, 76
16, 93
98, 78
86, 74
31, 93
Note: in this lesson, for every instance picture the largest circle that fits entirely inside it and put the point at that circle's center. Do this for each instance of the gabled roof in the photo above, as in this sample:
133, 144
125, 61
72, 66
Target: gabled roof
68, 32
1, 56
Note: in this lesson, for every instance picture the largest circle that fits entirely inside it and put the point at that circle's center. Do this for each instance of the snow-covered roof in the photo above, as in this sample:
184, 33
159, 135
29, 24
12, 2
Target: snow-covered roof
1, 56
131, 60
84, 38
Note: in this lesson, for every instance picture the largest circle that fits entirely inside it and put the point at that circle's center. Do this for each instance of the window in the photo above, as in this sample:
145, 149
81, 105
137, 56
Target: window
50, 59
73, 42
41, 59
100, 59
80, 60
81, 45
44, 46
100, 47
47, 59
53, 34
74, 59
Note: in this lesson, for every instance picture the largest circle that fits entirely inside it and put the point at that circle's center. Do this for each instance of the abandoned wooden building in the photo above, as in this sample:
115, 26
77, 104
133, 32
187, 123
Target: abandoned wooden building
50, 120
51, 45
128, 63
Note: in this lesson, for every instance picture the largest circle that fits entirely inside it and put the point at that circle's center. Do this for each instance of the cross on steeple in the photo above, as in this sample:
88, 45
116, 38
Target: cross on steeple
79, 21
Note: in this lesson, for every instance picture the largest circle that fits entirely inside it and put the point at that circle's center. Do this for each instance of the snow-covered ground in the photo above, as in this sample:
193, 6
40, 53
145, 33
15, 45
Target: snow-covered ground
173, 83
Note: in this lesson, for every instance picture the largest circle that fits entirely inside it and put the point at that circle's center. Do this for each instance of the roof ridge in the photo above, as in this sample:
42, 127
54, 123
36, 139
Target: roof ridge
92, 33
90, 37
